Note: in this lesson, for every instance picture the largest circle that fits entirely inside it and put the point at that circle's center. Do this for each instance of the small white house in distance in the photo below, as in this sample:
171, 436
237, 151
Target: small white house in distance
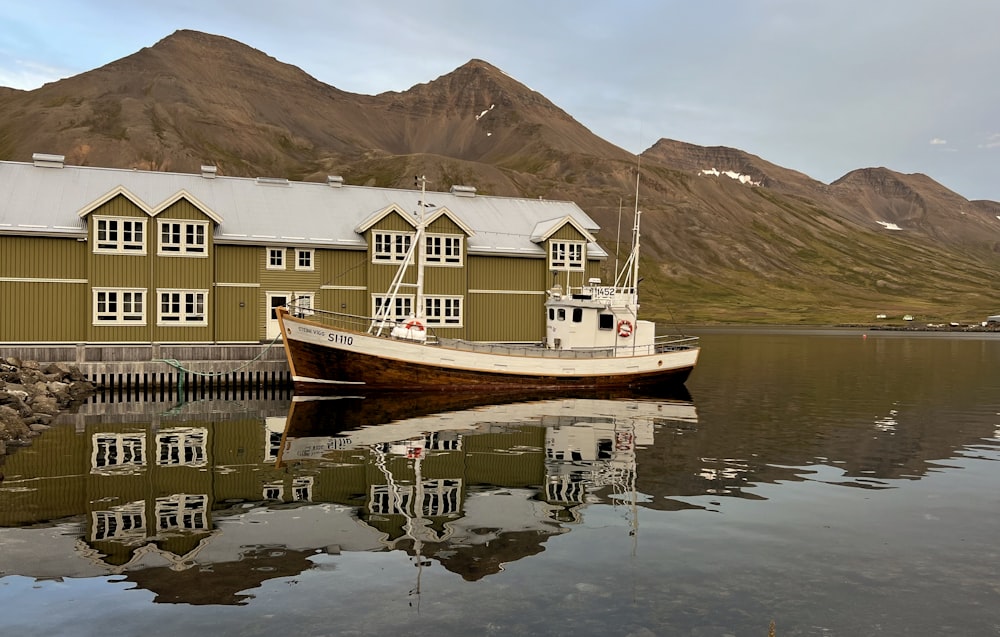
992, 319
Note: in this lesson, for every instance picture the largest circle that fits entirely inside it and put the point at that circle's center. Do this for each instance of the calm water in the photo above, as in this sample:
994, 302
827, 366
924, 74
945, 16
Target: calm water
833, 483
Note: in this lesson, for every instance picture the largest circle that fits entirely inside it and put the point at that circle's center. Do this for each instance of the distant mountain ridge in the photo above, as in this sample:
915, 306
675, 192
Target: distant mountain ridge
728, 236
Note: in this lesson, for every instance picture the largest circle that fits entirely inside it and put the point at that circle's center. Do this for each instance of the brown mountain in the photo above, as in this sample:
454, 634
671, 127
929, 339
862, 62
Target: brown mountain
727, 235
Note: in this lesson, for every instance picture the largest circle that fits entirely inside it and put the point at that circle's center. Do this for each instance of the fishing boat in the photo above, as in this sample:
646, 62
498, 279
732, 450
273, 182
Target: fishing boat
594, 339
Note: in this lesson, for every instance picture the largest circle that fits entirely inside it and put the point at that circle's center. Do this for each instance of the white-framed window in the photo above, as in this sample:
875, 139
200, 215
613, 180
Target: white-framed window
565, 255
401, 309
185, 446
390, 247
305, 259
186, 238
119, 235
303, 303
118, 450
182, 512
182, 307
275, 258
273, 491
302, 489
443, 310
118, 306
444, 249
125, 522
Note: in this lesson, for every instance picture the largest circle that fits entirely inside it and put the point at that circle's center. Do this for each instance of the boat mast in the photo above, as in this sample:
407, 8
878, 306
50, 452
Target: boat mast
635, 242
421, 254
388, 308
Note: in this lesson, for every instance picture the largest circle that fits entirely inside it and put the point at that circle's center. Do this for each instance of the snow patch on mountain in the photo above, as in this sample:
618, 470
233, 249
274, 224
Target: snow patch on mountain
732, 174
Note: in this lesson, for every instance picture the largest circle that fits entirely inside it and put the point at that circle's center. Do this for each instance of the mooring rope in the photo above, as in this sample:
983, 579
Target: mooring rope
177, 364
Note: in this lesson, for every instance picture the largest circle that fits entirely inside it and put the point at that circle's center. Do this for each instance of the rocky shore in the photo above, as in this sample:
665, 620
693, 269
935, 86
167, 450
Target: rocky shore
32, 395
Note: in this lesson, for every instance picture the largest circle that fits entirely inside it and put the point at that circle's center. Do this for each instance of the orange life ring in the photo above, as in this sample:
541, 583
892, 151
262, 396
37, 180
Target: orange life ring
415, 325
624, 328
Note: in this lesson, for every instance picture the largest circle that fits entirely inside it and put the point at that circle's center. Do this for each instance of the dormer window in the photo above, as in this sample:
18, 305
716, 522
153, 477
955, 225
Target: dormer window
443, 249
119, 235
183, 238
565, 255
388, 247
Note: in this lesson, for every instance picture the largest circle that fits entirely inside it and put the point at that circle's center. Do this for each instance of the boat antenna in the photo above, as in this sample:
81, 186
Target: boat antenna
635, 236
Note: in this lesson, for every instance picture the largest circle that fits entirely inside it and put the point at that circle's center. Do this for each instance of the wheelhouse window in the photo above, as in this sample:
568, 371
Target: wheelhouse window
389, 247
184, 238
443, 310
304, 259
182, 307
119, 235
401, 307
443, 249
566, 255
119, 306
605, 321
275, 258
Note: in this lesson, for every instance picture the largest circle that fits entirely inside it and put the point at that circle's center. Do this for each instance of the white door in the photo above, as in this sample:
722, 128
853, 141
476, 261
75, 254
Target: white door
275, 300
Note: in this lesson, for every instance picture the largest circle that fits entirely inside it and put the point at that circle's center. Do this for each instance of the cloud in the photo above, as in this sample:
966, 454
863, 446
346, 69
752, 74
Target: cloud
937, 141
992, 141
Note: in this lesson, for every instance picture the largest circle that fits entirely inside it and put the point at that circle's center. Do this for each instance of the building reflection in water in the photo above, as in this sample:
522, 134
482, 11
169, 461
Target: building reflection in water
211, 498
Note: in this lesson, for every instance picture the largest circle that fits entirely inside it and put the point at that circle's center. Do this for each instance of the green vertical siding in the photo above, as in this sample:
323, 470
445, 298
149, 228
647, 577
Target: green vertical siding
237, 312
237, 264
49, 304
506, 273
505, 317
42, 258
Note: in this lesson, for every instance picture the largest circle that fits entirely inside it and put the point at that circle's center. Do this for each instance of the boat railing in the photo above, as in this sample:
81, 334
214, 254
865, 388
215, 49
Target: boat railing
350, 322
369, 325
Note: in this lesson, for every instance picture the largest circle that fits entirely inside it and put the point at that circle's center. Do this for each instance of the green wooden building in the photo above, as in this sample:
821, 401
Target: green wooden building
102, 265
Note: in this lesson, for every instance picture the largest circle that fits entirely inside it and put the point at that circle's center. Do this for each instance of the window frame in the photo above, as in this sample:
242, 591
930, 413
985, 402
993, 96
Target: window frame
435, 310
403, 310
184, 247
122, 246
568, 261
181, 313
443, 259
120, 303
272, 251
299, 252
399, 244
306, 301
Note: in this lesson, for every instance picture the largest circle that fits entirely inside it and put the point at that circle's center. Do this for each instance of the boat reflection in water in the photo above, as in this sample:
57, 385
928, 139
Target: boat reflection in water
435, 476
206, 501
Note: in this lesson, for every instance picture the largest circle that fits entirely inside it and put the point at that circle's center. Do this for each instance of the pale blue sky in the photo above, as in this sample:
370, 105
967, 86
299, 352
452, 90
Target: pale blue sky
819, 87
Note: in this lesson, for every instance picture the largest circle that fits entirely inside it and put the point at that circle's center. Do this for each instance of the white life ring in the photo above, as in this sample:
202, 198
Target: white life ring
414, 324
624, 328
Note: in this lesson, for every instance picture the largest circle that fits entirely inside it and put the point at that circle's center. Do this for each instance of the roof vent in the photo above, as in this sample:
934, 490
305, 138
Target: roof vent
463, 191
334, 181
49, 161
208, 172
272, 181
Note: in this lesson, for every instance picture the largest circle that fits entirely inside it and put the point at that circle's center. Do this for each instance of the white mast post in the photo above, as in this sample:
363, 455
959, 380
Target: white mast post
421, 253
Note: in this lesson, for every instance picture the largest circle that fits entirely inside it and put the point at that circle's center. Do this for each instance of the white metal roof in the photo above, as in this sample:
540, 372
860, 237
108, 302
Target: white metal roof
49, 200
